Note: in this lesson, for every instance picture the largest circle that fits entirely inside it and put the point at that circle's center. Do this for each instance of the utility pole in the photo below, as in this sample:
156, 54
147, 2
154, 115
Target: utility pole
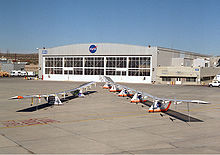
15, 57
7, 53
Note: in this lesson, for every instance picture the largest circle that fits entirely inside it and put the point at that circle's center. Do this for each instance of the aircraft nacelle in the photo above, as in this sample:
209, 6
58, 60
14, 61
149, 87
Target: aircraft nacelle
124, 92
54, 100
107, 86
80, 94
64, 94
159, 106
115, 88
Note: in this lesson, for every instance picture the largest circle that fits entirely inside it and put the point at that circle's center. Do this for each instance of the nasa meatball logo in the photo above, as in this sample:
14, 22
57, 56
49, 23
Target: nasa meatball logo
93, 48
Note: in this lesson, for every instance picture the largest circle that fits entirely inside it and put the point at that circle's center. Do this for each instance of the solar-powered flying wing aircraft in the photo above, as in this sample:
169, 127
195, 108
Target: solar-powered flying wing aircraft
158, 105
54, 98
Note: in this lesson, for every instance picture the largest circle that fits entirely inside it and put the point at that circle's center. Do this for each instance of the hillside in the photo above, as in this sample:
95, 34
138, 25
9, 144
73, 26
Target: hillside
31, 58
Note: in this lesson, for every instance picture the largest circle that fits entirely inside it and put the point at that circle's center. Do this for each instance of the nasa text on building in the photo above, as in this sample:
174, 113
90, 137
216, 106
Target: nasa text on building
123, 63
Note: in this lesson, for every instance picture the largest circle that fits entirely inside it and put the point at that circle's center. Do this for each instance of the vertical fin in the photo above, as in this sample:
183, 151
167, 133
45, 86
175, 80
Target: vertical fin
168, 106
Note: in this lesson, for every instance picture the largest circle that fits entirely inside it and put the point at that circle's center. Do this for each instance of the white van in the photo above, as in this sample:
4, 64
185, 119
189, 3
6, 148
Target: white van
18, 73
14, 73
23, 73
30, 73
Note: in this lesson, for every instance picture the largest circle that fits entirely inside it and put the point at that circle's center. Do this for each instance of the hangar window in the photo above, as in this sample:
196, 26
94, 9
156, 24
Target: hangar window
121, 62
94, 65
89, 71
53, 65
144, 62
48, 70
114, 72
99, 71
53, 71
99, 62
49, 62
110, 62
139, 72
58, 62
78, 62
123, 73
139, 66
92, 71
139, 62
68, 72
144, 72
116, 62
68, 62
89, 62
110, 71
78, 71
94, 61
53, 62
134, 62
57, 70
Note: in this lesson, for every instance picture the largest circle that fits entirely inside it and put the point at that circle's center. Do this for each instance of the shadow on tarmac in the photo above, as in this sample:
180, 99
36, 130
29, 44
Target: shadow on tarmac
182, 117
176, 115
46, 105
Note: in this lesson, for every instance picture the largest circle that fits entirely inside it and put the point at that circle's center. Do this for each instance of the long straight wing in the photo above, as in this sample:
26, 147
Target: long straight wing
85, 85
144, 94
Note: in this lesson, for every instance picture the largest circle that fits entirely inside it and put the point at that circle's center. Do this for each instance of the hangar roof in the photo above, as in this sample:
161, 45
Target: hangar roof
101, 49
113, 49
181, 51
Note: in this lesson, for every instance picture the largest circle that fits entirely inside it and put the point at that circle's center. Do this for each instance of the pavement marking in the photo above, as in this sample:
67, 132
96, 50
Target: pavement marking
27, 122
72, 121
45, 121
29, 151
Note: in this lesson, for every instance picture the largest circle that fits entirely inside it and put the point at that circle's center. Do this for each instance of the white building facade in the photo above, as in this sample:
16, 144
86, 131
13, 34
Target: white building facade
123, 63
88, 62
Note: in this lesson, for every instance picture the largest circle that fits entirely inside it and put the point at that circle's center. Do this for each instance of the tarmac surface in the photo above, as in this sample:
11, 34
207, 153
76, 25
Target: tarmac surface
102, 122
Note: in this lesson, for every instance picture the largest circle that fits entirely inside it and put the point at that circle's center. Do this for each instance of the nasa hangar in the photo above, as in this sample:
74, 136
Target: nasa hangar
121, 62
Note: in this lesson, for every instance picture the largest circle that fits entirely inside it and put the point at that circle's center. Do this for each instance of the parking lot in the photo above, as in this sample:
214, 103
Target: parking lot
102, 122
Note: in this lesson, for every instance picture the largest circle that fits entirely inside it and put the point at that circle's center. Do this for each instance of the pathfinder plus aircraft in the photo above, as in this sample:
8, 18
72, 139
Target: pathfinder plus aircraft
54, 99
158, 105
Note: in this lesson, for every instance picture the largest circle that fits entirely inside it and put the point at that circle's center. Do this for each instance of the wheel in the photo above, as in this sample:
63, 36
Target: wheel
210, 85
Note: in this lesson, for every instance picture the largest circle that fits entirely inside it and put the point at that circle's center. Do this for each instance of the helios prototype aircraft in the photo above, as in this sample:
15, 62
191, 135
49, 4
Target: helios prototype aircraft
54, 98
158, 105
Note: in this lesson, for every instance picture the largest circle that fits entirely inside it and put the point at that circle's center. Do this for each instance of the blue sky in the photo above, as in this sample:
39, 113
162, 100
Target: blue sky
192, 25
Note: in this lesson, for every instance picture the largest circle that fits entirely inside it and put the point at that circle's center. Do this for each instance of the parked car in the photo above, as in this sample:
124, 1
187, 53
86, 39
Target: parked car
214, 84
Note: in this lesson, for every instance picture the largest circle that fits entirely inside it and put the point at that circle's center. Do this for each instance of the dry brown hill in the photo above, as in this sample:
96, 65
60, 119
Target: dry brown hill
31, 58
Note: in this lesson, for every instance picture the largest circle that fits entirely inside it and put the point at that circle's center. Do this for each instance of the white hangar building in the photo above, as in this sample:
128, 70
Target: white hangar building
123, 63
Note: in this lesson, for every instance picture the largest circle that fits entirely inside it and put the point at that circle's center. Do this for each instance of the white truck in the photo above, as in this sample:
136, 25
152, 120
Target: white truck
214, 84
18, 73
31, 73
